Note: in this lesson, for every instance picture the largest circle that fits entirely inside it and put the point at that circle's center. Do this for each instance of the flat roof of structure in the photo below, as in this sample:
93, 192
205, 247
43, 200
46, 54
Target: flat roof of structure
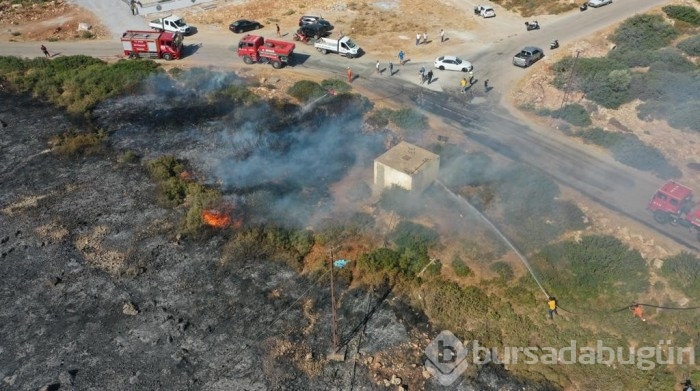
407, 157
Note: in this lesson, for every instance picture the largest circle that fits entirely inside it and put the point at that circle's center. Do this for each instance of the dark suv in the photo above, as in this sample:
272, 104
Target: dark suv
316, 30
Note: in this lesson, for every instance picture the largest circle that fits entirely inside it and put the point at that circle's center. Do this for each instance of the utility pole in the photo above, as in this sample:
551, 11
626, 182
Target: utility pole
567, 87
334, 311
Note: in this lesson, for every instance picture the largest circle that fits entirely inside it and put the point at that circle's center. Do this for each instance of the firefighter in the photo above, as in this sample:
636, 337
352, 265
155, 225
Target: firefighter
637, 311
551, 307
687, 386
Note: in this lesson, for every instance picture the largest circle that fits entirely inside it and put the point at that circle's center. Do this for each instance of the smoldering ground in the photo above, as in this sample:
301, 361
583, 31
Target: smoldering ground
98, 294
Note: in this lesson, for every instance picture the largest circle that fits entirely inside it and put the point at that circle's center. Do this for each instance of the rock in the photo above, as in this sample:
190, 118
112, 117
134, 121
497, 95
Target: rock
309, 357
395, 380
16, 6
66, 378
370, 359
56, 280
402, 388
10, 380
426, 374
84, 26
130, 308
50, 387
387, 383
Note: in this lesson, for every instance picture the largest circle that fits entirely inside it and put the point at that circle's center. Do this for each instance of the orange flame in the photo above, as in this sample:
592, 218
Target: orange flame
216, 218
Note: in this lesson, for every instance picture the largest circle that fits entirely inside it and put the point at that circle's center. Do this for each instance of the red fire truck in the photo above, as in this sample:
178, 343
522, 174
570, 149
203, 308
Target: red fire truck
673, 203
254, 48
151, 44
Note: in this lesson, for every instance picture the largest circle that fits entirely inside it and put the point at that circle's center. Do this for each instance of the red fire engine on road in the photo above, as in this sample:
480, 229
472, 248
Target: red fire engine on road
151, 44
254, 48
673, 203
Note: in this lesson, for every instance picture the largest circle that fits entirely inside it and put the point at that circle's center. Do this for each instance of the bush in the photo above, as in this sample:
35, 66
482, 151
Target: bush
340, 86
599, 267
630, 150
643, 32
690, 46
671, 60
306, 90
575, 114
78, 144
76, 82
269, 241
683, 13
408, 119
380, 259
683, 271
407, 234
460, 268
237, 94
379, 118
503, 270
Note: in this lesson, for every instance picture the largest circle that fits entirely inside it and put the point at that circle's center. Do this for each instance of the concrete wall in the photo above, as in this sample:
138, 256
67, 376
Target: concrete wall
426, 176
152, 7
385, 176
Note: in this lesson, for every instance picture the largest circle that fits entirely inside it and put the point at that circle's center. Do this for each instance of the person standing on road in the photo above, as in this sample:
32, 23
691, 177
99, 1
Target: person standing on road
417, 39
377, 67
551, 307
421, 72
391, 68
463, 84
471, 77
45, 51
401, 56
486, 85
278, 30
442, 35
134, 10
430, 76
425, 38
349, 75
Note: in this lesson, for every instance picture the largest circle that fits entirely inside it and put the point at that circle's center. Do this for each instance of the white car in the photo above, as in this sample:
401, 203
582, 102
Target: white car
598, 3
452, 63
487, 12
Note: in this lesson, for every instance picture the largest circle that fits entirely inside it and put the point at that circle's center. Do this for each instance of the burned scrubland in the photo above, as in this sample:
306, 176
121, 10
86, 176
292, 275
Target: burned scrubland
101, 292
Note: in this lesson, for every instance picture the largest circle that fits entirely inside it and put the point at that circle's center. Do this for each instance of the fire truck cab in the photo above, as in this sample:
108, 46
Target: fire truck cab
673, 203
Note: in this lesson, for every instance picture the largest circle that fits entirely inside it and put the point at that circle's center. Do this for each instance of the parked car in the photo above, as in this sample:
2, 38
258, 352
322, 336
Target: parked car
528, 56
485, 11
316, 30
243, 25
310, 19
452, 63
598, 3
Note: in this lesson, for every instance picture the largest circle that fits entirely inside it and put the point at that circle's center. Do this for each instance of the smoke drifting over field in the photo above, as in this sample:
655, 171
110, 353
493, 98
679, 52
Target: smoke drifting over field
283, 154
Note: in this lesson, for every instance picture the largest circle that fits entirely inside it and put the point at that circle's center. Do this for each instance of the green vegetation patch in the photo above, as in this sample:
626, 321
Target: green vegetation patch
630, 150
683, 13
575, 114
264, 242
408, 234
408, 119
176, 188
79, 144
75, 82
460, 268
597, 272
644, 32
306, 90
683, 270
690, 46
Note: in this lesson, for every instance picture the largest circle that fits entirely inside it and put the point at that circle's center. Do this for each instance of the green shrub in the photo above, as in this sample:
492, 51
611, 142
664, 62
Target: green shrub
454, 308
408, 119
460, 268
671, 60
268, 242
238, 94
87, 35
340, 86
683, 271
630, 150
690, 46
683, 13
575, 114
604, 80
306, 90
380, 259
128, 157
503, 270
587, 273
642, 32
407, 234
379, 118
79, 144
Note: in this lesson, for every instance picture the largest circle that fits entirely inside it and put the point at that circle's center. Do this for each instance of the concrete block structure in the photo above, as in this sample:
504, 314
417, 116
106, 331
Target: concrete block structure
407, 166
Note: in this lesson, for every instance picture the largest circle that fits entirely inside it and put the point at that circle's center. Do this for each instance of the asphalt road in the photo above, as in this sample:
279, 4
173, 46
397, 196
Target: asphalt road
491, 123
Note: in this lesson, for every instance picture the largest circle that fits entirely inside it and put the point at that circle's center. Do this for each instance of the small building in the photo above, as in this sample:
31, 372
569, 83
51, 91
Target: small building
408, 166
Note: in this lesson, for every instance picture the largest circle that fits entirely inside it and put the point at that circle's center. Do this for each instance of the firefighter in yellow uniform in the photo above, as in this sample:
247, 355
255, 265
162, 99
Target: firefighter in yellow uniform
551, 307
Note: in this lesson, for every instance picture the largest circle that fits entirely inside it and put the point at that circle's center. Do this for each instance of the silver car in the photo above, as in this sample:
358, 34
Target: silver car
598, 3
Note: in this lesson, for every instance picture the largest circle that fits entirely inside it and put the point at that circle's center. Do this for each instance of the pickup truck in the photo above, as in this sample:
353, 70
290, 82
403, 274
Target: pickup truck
171, 23
528, 56
343, 46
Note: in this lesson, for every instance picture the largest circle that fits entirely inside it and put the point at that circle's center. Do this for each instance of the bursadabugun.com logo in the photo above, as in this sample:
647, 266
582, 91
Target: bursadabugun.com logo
447, 357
